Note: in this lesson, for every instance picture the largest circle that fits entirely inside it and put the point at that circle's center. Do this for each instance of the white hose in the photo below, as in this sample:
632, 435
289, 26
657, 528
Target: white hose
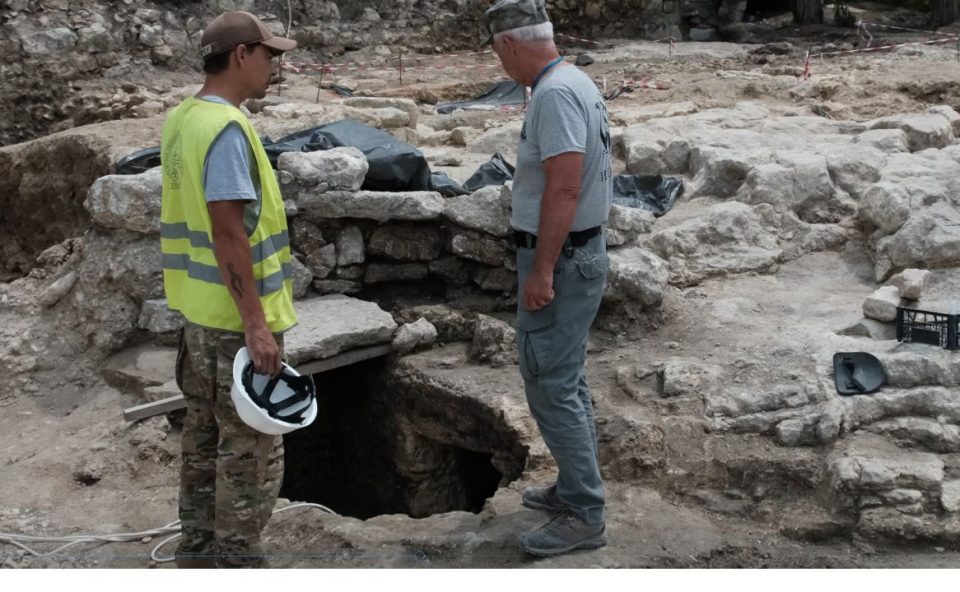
19, 540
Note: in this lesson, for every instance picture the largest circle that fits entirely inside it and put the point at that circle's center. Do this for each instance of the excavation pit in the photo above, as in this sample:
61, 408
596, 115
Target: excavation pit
383, 444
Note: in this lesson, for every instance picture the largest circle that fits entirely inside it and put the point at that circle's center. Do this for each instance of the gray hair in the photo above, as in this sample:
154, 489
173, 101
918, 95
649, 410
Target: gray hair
540, 32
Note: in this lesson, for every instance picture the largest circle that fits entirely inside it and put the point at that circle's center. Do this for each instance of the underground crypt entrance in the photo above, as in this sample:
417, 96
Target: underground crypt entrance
386, 443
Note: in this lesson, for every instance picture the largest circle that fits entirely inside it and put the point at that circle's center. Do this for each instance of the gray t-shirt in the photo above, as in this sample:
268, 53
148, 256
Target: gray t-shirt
230, 171
566, 114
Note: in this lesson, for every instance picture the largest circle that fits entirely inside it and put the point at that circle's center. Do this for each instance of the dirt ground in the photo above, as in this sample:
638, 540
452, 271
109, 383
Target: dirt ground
72, 465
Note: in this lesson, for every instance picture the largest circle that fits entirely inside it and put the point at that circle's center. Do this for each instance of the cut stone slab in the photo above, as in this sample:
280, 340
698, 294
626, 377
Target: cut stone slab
139, 368
333, 324
373, 205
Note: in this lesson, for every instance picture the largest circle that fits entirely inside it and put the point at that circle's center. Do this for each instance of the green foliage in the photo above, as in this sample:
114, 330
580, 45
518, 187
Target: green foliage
842, 17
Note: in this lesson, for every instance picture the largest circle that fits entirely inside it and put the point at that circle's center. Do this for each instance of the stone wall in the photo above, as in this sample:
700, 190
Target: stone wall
384, 246
57, 57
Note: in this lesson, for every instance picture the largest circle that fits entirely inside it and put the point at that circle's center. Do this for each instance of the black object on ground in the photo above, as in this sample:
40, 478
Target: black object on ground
584, 59
857, 373
443, 184
934, 328
342, 90
495, 171
655, 193
503, 93
140, 161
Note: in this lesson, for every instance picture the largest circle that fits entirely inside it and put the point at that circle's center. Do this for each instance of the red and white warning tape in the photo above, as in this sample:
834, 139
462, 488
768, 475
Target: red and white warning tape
908, 29
302, 68
885, 47
380, 65
579, 39
648, 84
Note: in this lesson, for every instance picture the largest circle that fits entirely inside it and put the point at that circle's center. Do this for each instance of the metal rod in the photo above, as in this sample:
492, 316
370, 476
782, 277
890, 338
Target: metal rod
320, 82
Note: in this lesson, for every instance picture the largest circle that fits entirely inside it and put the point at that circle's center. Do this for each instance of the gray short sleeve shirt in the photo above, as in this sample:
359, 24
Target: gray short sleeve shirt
566, 114
230, 171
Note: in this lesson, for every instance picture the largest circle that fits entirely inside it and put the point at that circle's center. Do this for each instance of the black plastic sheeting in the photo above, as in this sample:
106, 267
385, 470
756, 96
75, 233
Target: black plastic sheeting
503, 93
140, 161
443, 184
495, 171
655, 193
394, 165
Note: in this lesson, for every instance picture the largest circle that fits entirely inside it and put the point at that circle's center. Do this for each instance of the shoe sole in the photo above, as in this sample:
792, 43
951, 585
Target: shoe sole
538, 506
589, 544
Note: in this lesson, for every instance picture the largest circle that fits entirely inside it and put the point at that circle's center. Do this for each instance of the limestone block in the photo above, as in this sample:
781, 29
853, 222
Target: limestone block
350, 247
882, 304
485, 210
411, 336
406, 243
129, 202
494, 342
338, 168
155, 317
911, 282
374, 205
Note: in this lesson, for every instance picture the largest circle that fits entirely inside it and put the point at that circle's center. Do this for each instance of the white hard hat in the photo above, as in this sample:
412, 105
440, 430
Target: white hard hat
272, 405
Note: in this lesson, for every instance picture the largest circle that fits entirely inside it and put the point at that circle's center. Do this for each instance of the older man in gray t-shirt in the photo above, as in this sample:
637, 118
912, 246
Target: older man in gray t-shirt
561, 199
566, 114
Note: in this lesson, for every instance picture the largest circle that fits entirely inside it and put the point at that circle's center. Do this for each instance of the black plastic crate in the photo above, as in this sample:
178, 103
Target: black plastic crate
923, 326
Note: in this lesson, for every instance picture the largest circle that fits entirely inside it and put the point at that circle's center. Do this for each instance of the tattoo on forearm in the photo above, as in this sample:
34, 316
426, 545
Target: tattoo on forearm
235, 282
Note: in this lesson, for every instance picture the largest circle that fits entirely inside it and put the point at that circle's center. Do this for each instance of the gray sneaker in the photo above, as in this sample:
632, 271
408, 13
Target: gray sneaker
542, 498
564, 533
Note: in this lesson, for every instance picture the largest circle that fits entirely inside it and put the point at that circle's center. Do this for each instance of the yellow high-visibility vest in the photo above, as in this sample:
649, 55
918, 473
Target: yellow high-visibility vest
191, 278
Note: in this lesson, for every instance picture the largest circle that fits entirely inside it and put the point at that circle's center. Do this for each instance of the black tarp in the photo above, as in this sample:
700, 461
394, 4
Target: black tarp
393, 165
443, 184
503, 93
655, 193
495, 171
140, 161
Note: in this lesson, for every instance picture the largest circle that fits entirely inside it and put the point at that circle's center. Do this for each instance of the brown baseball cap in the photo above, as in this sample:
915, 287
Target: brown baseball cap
234, 28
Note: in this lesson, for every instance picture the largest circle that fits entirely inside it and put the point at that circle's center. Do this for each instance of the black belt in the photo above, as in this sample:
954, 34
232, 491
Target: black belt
579, 238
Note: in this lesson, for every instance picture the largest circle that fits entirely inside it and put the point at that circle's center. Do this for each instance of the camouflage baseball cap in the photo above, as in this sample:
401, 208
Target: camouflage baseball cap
506, 15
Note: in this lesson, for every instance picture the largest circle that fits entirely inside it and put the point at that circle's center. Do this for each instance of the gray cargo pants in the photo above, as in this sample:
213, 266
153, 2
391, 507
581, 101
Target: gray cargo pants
553, 347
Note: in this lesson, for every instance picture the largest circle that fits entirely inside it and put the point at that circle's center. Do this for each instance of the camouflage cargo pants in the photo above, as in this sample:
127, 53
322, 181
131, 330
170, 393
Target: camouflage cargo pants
231, 474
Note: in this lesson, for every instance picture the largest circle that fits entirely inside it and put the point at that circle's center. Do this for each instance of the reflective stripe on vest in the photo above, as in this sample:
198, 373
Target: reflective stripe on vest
198, 240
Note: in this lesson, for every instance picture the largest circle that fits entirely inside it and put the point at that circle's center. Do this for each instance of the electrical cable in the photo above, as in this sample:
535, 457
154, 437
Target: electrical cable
173, 529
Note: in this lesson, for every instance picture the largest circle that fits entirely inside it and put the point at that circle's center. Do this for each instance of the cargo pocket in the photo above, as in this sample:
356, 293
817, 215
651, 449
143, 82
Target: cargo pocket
181, 357
593, 267
529, 365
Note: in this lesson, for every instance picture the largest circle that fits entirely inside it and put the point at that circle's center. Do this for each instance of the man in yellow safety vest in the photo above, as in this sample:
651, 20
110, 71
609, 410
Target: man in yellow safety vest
227, 269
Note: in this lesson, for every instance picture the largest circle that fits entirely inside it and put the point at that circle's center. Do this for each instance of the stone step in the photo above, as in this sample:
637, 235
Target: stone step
330, 326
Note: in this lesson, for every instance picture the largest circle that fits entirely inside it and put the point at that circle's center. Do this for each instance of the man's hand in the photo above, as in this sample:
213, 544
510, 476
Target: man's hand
538, 290
264, 351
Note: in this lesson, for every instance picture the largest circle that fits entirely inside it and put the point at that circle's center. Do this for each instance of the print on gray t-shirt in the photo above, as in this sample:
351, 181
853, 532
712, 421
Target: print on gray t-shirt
566, 114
